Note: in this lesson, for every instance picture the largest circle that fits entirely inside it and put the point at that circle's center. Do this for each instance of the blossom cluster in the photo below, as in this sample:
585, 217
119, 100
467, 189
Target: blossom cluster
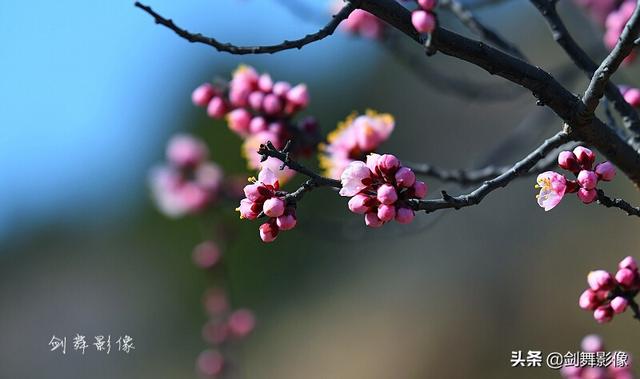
423, 18
263, 198
354, 139
259, 110
381, 189
610, 294
188, 182
224, 324
594, 344
553, 186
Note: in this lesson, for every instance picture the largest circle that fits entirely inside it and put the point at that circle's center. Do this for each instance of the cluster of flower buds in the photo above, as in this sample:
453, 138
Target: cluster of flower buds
553, 186
423, 18
615, 23
610, 294
188, 183
381, 189
259, 110
263, 198
224, 326
617, 369
631, 95
354, 139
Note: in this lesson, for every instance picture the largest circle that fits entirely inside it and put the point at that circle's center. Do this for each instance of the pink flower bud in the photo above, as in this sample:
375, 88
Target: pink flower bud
632, 96
299, 95
210, 362
592, 343
388, 163
628, 262
588, 300
568, 161
255, 100
587, 179
600, 280
248, 209
585, 157
386, 212
186, 151
371, 220
216, 108
387, 194
272, 104
241, 322
603, 314
420, 189
625, 277
273, 207
359, 203
206, 254
202, 95
265, 83
404, 215
257, 125
238, 121
606, 171
619, 304
268, 232
405, 177
281, 89
286, 221
423, 21
587, 196
428, 5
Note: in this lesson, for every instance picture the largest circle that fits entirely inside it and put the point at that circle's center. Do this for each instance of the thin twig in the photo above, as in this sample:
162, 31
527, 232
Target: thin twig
326, 31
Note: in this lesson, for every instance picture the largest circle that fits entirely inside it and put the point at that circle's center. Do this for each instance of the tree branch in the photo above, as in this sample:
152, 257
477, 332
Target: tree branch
617, 203
472, 23
326, 31
612, 62
476, 196
581, 59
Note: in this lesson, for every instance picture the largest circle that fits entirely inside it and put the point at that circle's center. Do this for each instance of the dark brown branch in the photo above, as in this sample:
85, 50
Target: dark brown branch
326, 31
472, 23
612, 62
476, 196
581, 59
468, 177
617, 203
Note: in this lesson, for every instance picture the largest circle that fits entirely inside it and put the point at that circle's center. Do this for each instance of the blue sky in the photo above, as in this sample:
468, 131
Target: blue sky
91, 89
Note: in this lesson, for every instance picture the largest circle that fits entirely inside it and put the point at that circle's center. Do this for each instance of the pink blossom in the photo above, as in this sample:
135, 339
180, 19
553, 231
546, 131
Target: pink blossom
241, 322
423, 21
362, 23
184, 150
585, 157
210, 362
600, 280
606, 171
632, 96
568, 161
268, 232
206, 254
239, 120
273, 207
587, 179
603, 314
354, 178
587, 196
216, 108
378, 189
552, 188
427, 5
354, 138
287, 221
619, 304
203, 94
626, 277
628, 262
299, 95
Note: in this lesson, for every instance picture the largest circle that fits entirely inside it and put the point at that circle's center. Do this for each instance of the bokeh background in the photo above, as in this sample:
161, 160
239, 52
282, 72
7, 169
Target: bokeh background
89, 94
